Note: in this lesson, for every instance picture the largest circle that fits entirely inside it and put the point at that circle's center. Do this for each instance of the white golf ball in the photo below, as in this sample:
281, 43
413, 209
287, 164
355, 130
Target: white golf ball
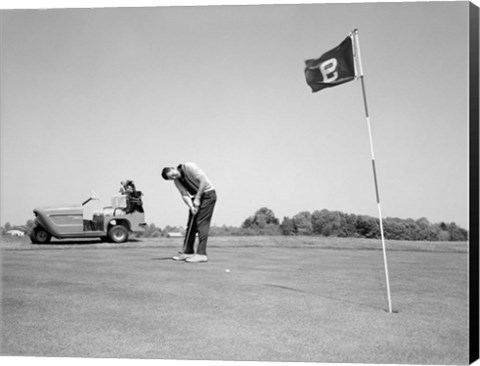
227, 270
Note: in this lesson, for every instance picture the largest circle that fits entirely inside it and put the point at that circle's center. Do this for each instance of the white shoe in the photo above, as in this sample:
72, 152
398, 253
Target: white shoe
183, 257
197, 258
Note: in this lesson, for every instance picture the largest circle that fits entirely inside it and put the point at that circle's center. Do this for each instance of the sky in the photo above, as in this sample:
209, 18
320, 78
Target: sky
90, 97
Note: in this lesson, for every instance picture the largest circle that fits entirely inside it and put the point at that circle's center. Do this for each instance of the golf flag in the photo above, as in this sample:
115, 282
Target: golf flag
334, 67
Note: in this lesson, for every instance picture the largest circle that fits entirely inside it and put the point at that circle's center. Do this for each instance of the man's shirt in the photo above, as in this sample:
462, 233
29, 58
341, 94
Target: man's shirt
189, 182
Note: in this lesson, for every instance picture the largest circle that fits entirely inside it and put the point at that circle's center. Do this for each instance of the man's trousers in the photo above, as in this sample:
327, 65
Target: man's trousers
200, 223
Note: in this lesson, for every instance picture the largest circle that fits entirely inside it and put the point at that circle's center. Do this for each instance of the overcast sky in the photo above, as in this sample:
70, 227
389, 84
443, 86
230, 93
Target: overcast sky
91, 97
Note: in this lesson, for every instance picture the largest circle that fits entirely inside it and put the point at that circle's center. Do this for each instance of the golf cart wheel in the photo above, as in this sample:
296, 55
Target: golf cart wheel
40, 236
118, 234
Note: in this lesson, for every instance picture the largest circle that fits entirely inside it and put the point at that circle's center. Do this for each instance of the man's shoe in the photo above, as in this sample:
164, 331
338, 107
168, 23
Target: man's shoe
182, 257
197, 258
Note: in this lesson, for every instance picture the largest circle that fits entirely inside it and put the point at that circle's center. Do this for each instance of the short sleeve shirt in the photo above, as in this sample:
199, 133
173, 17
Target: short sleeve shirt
189, 182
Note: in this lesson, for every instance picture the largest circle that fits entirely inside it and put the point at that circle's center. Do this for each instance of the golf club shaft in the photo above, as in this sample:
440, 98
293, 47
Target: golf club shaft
189, 230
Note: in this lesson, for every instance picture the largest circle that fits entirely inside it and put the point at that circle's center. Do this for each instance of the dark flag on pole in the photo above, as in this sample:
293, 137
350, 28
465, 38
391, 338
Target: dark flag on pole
334, 67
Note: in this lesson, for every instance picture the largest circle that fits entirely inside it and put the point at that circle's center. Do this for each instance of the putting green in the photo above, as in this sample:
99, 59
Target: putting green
276, 303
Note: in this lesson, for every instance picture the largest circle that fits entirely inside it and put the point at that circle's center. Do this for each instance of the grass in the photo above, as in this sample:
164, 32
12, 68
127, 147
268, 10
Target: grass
284, 299
23, 243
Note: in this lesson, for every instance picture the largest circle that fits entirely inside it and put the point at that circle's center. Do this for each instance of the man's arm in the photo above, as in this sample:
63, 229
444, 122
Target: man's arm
200, 175
186, 196
201, 188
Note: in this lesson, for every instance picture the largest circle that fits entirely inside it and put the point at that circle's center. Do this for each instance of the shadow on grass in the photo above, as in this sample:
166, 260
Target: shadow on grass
356, 303
337, 299
82, 242
284, 288
70, 242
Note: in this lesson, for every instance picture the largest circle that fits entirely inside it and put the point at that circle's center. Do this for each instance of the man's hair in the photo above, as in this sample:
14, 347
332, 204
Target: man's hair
165, 172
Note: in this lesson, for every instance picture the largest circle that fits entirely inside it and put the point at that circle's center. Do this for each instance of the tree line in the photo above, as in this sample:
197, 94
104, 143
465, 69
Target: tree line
25, 228
318, 223
151, 231
340, 224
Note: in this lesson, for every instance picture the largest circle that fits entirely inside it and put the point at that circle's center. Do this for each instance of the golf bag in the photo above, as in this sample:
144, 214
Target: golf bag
134, 202
134, 197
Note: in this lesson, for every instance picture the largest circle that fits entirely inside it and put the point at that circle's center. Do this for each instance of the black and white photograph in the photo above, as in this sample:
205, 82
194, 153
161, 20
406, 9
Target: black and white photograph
248, 182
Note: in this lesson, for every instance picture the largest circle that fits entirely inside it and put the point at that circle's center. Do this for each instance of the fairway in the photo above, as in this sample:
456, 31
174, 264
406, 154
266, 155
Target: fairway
283, 299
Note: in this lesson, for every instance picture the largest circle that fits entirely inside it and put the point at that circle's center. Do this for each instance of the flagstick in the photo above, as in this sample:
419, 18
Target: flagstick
357, 47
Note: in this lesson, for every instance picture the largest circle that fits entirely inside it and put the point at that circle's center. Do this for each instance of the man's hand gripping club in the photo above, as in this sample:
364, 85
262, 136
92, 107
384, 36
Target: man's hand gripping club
193, 205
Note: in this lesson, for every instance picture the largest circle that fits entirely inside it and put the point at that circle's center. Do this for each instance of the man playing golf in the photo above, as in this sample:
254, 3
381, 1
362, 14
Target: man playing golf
199, 194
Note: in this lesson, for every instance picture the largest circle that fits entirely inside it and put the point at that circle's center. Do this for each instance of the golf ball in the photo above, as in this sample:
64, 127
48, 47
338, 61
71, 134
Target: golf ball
227, 270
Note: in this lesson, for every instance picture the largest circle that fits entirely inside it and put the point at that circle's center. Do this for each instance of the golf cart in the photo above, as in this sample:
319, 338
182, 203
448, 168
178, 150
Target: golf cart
113, 223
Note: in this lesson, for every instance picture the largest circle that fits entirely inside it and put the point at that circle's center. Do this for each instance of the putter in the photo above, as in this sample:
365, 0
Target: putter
190, 224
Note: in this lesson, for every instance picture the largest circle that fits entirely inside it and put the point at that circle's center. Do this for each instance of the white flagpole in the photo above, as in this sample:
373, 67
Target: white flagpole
357, 55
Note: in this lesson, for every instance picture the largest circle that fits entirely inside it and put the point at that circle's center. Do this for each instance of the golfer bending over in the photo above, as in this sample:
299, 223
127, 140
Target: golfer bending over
198, 193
